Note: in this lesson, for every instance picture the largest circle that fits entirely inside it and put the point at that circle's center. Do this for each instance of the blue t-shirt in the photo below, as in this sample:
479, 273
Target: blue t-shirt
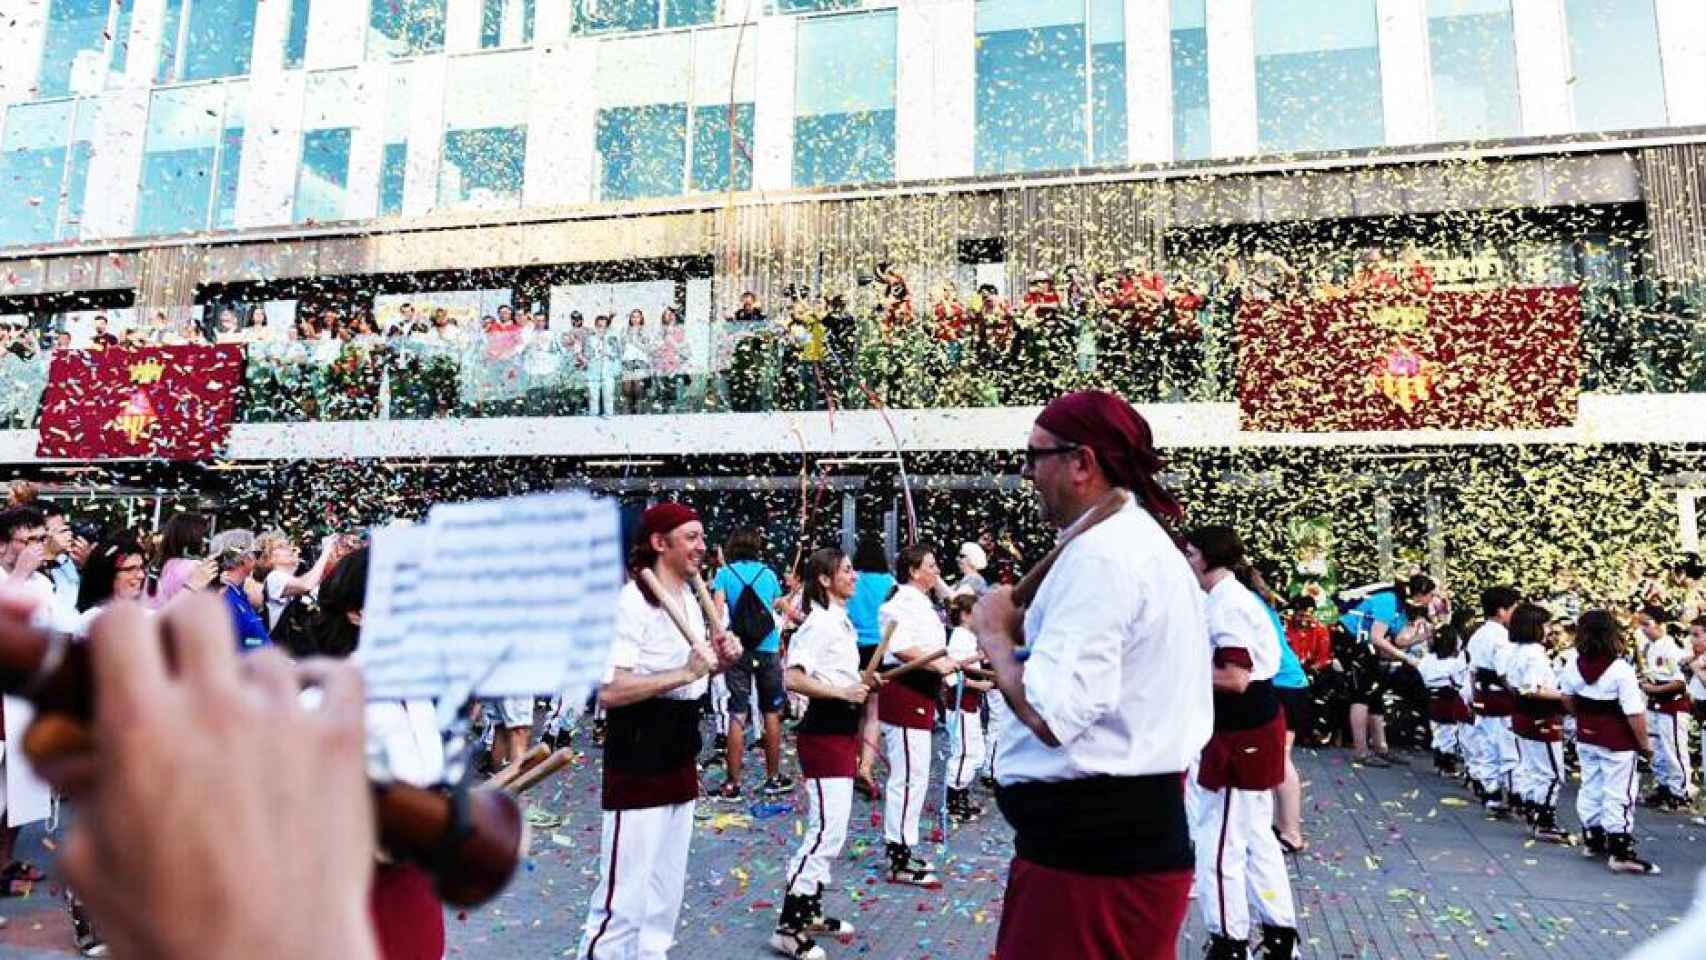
869, 592
251, 629
732, 580
1382, 607
1290, 675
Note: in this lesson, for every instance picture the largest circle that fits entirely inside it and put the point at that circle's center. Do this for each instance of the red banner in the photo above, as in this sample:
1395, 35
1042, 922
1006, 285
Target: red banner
167, 403
1482, 360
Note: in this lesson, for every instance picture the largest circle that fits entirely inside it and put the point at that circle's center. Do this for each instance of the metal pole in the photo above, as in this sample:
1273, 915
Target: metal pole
1383, 535
849, 523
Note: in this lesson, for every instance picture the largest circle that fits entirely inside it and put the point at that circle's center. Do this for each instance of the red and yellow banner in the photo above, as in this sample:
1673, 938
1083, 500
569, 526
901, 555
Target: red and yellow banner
1482, 360
168, 403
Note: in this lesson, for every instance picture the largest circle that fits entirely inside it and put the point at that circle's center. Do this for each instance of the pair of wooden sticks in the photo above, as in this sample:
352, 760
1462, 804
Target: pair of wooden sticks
532, 769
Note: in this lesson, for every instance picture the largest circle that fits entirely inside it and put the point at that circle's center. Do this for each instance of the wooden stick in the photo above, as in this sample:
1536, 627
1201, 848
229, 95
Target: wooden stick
518, 767
911, 665
542, 770
869, 676
713, 622
1033, 579
650, 579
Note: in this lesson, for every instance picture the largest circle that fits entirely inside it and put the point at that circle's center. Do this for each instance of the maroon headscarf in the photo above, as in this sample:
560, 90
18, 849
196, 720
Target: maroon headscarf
1124, 445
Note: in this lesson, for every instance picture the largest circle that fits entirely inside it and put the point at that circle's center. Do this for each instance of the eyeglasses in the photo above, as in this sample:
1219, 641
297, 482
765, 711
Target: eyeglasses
1033, 454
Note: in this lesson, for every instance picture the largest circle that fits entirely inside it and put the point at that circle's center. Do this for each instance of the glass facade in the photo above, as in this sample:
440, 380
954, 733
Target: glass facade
1050, 84
1317, 75
844, 99
506, 23
394, 159
206, 39
76, 51
296, 38
1617, 75
404, 28
1190, 79
192, 153
611, 16
44, 163
1472, 53
485, 132
328, 127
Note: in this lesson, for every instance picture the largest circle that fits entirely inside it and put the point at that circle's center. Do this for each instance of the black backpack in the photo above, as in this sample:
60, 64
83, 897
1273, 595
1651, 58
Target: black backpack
750, 619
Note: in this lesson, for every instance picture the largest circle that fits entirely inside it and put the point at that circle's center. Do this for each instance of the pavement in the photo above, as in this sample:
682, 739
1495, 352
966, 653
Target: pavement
1401, 864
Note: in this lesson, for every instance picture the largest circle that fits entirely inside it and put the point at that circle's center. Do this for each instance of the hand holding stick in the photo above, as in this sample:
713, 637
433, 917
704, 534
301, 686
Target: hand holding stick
541, 771
869, 676
911, 665
728, 650
698, 645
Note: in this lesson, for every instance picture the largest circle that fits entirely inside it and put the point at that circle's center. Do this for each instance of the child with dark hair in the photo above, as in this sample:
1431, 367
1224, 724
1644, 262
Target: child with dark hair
964, 719
1539, 707
1611, 730
1492, 753
1445, 673
1663, 681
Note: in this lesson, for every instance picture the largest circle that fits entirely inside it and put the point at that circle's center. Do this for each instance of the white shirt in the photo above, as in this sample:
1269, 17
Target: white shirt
1528, 668
408, 731
826, 647
1238, 621
1119, 665
1696, 689
273, 589
1488, 647
917, 628
962, 644
1452, 671
1663, 659
1616, 683
647, 640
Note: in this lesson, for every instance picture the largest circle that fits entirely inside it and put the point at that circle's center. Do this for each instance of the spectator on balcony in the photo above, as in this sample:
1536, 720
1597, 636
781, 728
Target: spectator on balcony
1040, 347
133, 338
950, 322
897, 296
1182, 340
103, 337
841, 344
671, 362
1270, 277
603, 357
639, 357
1418, 276
992, 320
1376, 274
229, 329
746, 337
573, 341
543, 364
445, 330
1080, 293
804, 350
259, 327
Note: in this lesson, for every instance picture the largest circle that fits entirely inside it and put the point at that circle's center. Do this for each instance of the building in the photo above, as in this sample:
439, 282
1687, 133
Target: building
179, 158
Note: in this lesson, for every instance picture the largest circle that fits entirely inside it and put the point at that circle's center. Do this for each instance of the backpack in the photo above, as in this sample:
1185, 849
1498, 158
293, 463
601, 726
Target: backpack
751, 620
293, 632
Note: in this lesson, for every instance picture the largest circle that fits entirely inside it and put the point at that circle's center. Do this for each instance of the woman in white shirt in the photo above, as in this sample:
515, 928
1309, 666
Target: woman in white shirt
822, 668
907, 709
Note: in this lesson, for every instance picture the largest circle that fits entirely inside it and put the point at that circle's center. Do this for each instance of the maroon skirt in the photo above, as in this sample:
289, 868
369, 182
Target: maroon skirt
408, 918
1252, 759
1051, 914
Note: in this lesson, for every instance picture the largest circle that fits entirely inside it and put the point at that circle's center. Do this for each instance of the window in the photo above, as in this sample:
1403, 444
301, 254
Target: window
1617, 77
44, 169
485, 138
1472, 49
844, 99
812, 6
1033, 57
328, 125
192, 152
394, 162
206, 39
404, 28
506, 23
85, 40
1190, 80
296, 38
1317, 75
610, 16
653, 92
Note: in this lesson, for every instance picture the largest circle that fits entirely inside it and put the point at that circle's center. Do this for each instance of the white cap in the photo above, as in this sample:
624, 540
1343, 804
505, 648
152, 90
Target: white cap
974, 553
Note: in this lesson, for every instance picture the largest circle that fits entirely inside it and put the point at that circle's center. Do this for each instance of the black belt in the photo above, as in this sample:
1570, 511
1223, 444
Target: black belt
1107, 826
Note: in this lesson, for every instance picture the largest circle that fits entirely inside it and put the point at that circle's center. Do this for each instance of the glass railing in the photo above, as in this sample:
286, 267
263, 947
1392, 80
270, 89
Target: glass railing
1634, 340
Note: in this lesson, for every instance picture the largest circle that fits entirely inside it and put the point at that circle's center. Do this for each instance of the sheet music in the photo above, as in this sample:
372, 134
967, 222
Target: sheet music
509, 597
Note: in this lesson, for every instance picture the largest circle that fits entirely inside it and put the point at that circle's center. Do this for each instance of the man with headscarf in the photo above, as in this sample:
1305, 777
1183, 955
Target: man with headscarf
1109, 708
651, 694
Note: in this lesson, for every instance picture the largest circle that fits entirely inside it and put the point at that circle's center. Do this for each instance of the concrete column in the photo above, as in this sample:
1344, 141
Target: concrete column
272, 150
367, 140
1406, 79
552, 23
115, 168
147, 23
26, 34
272, 26
1682, 45
773, 114
1543, 67
1232, 77
561, 117
462, 25
1149, 81
337, 33
426, 134
935, 97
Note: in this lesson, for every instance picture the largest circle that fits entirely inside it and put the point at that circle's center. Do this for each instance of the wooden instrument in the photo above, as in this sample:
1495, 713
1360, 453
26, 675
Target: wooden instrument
679, 618
869, 676
912, 665
541, 771
516, 768
1032, 581
469, 840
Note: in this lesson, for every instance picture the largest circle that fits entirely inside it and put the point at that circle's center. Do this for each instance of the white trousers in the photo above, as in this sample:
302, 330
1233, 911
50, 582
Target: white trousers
1450, 738
1607, 797
1672, 764
720, 704
964, 764
643, 869
829, 804
1540, 771
1492, 759
908, 754
1239, 861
